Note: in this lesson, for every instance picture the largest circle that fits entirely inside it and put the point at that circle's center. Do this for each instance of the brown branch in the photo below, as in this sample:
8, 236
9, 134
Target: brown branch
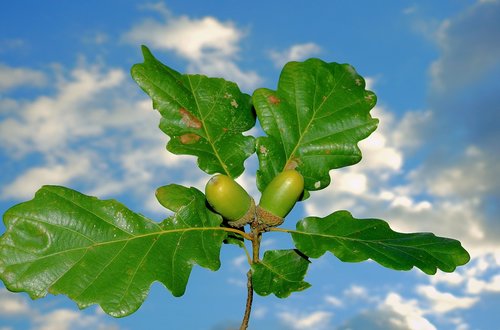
248, 307
256, 236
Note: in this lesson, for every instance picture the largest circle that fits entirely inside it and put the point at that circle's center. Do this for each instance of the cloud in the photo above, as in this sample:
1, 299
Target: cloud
392, 312
411, 315
379, 320
396, 312
189, 37
7, 45
412, 197
25, 184
60, 120
65, 319
298, 321
334, 301
472, 174
210, 46
295, 52
96, 132
470, 46
17, 77
14, 306
356, 291
369, 180
478, 277
444, 302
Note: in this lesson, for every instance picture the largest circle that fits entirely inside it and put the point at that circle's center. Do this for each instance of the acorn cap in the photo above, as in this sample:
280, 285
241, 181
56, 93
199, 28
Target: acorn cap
267, 218
247, 218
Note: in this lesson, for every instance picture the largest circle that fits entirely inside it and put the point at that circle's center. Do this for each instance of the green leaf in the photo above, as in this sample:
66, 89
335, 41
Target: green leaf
204, 117
174, 196
98, 251
280, 272
313, 121
355, 240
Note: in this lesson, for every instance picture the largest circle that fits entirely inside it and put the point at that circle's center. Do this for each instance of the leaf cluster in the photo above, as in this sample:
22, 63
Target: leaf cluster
99, 252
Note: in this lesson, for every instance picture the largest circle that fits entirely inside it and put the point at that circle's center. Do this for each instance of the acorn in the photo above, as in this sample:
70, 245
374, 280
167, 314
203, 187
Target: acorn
279, 197
230, 200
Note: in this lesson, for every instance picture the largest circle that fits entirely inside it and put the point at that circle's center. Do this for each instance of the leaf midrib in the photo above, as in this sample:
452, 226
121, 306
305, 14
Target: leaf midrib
208, 136
313, 117
191, 91
374, 241
280, 275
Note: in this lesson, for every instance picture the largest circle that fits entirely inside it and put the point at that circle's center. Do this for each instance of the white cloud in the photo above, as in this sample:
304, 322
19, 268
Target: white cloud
65, 319
476, 286
96, 38
382, 160
410, 10
15, 305
352, 182
356, 291
411, 314
214, 66
96, 131
65, 117
240, 262
452, 279
238, 282
476, 278
473, 174
431, 197
203, 35
391, 312
410, 131
190, 38
299, 321
12, 305
470, 46
210, 46
27, 183
444, 302
17, 77
334, 301
295, 52
259, 312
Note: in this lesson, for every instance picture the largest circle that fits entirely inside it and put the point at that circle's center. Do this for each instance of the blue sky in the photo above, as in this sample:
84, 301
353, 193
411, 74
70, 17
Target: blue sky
70, 114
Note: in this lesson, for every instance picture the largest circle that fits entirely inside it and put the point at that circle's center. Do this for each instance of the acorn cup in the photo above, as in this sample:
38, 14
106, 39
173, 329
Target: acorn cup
279, 197
230, 200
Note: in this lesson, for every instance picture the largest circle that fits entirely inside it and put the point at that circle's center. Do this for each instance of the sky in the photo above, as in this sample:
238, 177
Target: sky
71, 115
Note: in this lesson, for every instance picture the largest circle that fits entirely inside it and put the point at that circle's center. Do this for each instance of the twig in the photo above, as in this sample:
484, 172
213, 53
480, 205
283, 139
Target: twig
248, 307
256, 236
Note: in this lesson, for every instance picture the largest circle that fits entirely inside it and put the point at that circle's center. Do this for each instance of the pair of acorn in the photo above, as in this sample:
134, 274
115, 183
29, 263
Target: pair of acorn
230, 200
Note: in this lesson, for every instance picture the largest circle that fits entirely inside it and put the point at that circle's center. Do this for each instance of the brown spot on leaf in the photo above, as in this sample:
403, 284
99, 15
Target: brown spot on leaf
189, 120
189, 138
369, 97
274, 99
292, 164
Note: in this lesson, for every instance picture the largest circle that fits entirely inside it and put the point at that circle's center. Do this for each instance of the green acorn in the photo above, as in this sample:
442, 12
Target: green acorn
279, 197
230, 200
